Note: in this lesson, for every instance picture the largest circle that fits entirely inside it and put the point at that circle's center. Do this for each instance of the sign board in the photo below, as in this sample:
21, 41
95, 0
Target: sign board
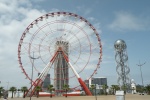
120, 95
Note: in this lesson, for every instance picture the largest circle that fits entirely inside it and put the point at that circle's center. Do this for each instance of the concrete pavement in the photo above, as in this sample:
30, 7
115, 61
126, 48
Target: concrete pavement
108, 97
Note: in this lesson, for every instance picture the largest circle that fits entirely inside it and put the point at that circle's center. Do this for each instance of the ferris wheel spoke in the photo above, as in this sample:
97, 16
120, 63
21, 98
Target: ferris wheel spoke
95, 49
85, 49
25, 48
75, 50
78, 58
41, 29
70, 31
56, 23
43, 50
27, 64
49, 26
45, 60
82, 41
81, 47
73, 35
34, 48
24, 52
44, 55
79, 68
44, 47
34, 36
76, 33
46, 52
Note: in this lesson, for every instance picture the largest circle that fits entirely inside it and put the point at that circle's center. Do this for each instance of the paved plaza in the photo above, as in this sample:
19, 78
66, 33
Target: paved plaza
108, 97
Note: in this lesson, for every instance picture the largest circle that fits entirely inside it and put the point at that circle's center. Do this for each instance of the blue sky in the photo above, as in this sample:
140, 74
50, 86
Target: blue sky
114, 19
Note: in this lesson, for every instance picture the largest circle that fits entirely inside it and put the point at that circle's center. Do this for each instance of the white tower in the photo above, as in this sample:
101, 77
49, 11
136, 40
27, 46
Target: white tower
133, 86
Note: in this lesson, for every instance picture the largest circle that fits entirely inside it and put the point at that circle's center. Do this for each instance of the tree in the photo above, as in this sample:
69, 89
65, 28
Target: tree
50, 88
124, 88
66, 88
115, 88
1, 89
13, 89
148, 89
24, 89
104, 88
92, 87
139, 88
38, 89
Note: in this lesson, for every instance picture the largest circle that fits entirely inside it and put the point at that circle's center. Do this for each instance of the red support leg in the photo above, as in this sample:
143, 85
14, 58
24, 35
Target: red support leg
83, 85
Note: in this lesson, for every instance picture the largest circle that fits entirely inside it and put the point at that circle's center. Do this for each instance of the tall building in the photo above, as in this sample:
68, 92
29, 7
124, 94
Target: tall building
87, 83
61, 73
46, 82
99, 81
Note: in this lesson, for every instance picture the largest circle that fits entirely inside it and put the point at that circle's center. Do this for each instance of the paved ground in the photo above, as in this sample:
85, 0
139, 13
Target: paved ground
108, 97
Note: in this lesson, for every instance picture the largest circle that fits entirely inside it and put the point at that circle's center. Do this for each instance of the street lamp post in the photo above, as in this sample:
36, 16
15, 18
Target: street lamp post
141, 74
141, 71
33, 58
95, 92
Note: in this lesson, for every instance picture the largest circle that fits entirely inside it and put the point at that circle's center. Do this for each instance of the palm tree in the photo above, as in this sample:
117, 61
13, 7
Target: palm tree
66, 88
124, 88
148, 89
24, 89
113, 88
13, 89
1, 89
38, 89
50, 88
104, 88
139, 88
92, 87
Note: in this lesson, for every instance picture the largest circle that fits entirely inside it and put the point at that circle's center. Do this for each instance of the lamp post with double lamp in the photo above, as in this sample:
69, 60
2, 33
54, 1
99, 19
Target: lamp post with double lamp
33, 58
140, 65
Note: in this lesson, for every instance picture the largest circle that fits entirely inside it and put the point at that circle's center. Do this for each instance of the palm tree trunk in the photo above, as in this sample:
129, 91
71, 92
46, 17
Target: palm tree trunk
23, 94
37, 94
66, 93
51, 94
12, 95
0, 94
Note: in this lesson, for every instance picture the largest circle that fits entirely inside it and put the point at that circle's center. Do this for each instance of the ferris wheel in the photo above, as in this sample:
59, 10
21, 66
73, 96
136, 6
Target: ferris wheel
68, 47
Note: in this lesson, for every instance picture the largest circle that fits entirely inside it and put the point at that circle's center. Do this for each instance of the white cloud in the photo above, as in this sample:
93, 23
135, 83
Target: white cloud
15, 16
126, 21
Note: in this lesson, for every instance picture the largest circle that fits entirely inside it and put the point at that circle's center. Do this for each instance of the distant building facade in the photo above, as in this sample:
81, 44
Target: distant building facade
99, 81
46, 82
